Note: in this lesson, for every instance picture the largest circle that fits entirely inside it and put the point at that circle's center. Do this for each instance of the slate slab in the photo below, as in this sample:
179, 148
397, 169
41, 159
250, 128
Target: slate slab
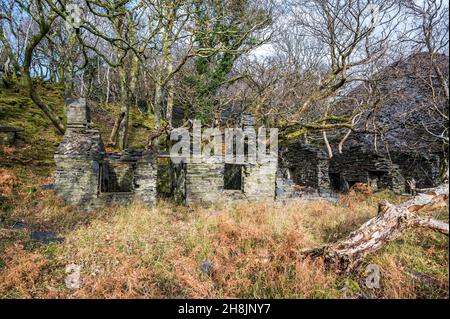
45, 237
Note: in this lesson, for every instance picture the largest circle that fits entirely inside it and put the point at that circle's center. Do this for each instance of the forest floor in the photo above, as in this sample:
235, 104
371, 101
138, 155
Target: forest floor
225, 250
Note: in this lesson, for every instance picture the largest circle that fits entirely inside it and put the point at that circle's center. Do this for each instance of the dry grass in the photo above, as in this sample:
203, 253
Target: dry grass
19, 278
158, 252
136, 251
7, 182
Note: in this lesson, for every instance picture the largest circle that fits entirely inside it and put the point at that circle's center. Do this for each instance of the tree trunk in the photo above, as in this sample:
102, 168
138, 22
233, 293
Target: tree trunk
341, 143
123, 131
327, 144
390, 223
107, 84
115, 130
157, 109
170, 92
68, 80
170, 101
9, 52
123, 128
32, 91
325, 137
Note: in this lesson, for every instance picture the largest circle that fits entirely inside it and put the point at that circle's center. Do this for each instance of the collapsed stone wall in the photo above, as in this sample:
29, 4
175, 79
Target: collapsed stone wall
304, 165
356, 165
423, 168
307, 166
88, 177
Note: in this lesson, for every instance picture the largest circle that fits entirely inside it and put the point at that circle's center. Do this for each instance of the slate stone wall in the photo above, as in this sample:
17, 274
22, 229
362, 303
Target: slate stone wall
424, 168
78, 113
304, 165
284, 187
358, 166
77, 181
79, 158
87, 177
259, 180
145, 178
203, 182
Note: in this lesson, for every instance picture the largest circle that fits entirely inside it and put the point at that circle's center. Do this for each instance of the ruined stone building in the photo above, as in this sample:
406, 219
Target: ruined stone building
222, 180
361, 166
403, 148
308, 166
88, 177
383, 171
404, 117
304, 165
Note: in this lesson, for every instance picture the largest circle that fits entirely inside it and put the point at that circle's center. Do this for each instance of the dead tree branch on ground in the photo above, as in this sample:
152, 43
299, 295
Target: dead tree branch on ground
390, 223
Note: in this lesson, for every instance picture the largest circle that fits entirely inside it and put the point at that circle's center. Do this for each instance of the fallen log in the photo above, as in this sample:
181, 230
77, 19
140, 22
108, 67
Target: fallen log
388, 225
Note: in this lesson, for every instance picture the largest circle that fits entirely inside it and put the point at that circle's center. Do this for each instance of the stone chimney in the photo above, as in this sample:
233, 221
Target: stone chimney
78, 113
79, 158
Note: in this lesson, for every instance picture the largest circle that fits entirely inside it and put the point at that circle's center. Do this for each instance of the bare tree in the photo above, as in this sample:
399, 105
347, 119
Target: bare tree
430, 34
